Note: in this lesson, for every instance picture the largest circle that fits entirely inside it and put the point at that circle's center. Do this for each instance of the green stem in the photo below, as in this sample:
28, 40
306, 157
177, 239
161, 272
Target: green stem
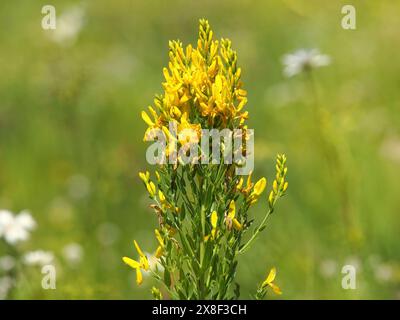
259, 228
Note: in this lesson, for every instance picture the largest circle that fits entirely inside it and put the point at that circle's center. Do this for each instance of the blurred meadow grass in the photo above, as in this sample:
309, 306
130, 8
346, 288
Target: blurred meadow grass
71, 138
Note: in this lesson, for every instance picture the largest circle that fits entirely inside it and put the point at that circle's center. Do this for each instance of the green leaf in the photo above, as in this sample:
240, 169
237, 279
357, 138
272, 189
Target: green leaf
167, 278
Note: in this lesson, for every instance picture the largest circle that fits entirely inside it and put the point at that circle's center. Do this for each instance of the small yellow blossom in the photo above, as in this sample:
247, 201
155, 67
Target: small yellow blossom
269, 281
214, 230
230, 219
142, 264
258, 189
160, 248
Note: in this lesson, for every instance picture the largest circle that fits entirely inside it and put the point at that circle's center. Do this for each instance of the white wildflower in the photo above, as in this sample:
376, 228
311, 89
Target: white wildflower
38, 258
328, 268
73, 253
6, 283
383, 272
354, 261
16, 228
107, 233
302, 60
68, 26
78, 186
7, 263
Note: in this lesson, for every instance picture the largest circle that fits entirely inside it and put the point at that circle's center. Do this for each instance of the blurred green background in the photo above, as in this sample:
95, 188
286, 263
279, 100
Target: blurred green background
71, 138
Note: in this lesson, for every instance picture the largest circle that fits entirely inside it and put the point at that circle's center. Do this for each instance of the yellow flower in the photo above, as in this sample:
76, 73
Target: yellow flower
142, 264
144, 176
269, 281
230, 219
147, 119
214, 221
160, 248
205, 79
249, 185
164, 203
188, 133
150, 186
258, 189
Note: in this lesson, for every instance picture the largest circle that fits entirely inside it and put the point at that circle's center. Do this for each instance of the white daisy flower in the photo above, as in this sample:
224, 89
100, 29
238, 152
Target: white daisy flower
73, 253
302, 60
383, 272
68, 26
6, 283
328, 268
16, 228
7, 263
38, 258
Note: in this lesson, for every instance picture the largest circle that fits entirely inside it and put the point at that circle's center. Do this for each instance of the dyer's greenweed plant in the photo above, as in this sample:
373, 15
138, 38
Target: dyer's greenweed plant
202, 209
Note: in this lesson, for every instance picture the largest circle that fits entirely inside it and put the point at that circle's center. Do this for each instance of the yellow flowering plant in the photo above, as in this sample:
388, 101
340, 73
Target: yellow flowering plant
202, 209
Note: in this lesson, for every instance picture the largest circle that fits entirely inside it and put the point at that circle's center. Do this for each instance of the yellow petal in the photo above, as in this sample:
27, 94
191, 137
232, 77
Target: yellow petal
138, 249
130, 262
144, 263
271, 277
159, 238
147, 119
275, 288
237, 225
159, 252
161, 196
275, 186
139, 277
151, 188
143, 177
240, 184
285, 186
214, 219
260, 186
232, 209
249, 180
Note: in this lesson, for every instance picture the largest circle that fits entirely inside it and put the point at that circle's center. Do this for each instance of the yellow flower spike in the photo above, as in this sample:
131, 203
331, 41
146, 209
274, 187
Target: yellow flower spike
147, 119
269, 281
259, 187
160, 248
